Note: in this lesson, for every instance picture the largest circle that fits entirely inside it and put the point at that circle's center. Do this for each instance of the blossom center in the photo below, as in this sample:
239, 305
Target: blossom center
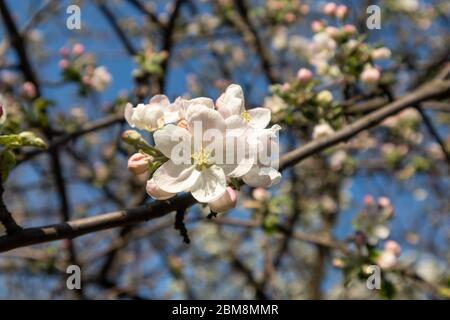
202, 159
245, 116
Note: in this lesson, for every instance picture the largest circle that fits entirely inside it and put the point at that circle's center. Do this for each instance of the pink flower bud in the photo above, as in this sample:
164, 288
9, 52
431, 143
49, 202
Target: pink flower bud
260, 194
64, 52
393, 247
285, 87
386, 260
330, 8
225, 202
29, 90
138, 163
370, 75
156, 193
341, 11
317, 26
78, 49
381, 53
304, 9
86, 80
304, 75
368, 200
349, 29
63, 64
289, 17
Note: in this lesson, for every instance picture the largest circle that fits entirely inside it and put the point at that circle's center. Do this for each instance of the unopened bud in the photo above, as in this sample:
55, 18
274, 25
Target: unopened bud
131, 136
226, 201
138, 163
304, 75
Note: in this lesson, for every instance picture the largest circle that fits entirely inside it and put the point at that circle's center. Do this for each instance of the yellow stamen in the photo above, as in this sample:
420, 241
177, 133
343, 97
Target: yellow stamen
245, 116
202, 159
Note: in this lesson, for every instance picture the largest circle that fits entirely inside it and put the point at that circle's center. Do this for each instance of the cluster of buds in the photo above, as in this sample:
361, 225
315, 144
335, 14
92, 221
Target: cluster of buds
332, 9
300, 97
286, 11
337, 52
79, 67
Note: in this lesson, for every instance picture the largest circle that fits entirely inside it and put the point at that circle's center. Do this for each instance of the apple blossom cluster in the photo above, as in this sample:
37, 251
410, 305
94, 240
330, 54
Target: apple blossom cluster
287, 11
299, 101
339, 52
77, 66
204, 147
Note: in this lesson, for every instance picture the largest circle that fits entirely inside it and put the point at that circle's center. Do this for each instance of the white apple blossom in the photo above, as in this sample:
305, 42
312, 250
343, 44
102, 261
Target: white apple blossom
206, 147
322, 130
101, 79
195, 163
151, 116
159, 112
231, 103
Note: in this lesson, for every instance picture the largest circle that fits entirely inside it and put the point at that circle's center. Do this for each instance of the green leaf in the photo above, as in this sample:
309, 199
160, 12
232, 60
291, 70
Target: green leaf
270, 223
24, 139
29, 139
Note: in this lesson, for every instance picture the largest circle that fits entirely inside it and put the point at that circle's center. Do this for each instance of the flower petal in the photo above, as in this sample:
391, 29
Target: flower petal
231, 102
210, 186
174, 178
207, 102
168, 137
235, 122
262, 177
259, 117
201, 119
129, 114
157, 193
159, 99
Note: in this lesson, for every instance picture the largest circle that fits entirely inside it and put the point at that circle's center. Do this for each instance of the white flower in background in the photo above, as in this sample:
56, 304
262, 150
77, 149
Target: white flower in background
407, 5
323, 45
389, 256
381, 53
232, 104
370, 75
324, 97
275, 104
2, 109
322, 130
280, 39
101, 79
